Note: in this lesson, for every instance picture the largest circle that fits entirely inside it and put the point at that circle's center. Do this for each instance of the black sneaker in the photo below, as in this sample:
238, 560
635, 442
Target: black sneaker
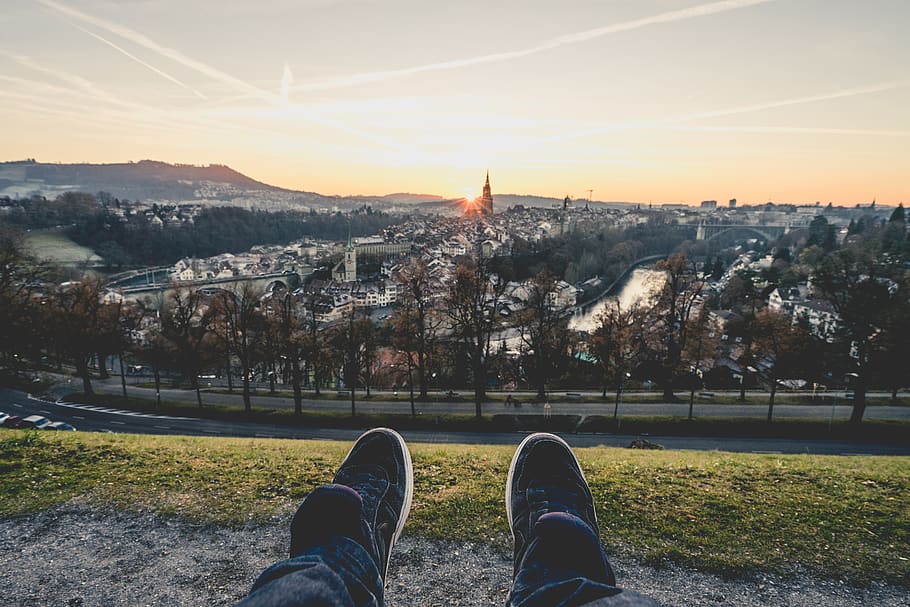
378, 467
545, 478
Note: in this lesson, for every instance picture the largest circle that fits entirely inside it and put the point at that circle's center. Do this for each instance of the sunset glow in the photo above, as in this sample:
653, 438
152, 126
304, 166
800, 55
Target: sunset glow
663, 100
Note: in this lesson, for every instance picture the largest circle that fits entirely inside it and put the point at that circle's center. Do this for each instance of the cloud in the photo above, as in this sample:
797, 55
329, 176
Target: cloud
692, 12
161, 73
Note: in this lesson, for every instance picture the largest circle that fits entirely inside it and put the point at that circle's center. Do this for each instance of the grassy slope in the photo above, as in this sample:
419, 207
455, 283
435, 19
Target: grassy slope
731, 513
58, 247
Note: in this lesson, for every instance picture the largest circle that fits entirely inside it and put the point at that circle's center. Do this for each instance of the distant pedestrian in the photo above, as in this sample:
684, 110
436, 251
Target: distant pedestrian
343, 533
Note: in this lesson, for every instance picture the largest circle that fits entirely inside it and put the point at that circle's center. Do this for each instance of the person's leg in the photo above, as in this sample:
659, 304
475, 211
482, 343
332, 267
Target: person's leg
342, 534
559, 561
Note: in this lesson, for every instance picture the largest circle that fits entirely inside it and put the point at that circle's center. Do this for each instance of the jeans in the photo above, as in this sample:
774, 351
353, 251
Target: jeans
564, 566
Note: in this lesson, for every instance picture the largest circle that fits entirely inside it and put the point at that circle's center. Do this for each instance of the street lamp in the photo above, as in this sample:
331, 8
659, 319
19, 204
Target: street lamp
622, 381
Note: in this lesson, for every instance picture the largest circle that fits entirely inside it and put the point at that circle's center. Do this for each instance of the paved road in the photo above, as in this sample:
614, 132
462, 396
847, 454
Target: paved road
92, 418
384, 403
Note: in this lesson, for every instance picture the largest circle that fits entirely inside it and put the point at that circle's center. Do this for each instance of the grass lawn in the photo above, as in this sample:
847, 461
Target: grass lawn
56, 246
840, 517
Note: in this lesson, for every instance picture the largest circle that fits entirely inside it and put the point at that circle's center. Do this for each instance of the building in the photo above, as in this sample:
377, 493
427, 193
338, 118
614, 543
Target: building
346, 270
484, 204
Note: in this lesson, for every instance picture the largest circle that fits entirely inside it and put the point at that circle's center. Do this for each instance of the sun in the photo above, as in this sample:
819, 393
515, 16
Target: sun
467, 193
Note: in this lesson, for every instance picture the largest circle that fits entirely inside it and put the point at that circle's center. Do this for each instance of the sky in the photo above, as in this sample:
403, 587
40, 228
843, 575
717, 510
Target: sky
637, 100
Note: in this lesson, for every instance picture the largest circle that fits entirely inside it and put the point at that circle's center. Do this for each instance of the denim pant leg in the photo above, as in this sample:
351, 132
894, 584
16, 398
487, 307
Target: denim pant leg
339, 573
565, 566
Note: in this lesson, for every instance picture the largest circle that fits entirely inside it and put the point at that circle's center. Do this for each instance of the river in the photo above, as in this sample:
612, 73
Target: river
641, 285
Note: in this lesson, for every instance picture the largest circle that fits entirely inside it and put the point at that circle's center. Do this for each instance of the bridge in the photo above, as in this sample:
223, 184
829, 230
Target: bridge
710, 231
154, 294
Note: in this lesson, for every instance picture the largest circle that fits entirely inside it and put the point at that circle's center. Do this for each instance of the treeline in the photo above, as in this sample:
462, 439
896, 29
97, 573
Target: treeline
125, 236
604, 252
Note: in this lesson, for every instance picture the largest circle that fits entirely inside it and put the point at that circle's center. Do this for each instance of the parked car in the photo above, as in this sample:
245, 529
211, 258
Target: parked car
3, 417
34, 421
59, 426
12, 421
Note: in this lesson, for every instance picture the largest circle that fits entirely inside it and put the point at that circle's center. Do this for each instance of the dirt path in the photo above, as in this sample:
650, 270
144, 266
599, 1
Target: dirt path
77, 557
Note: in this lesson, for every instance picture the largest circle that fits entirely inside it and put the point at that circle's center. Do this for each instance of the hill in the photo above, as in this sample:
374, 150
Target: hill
143, 180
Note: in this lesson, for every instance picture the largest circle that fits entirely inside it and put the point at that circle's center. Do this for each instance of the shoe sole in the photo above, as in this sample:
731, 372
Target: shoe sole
409, 484
512, 465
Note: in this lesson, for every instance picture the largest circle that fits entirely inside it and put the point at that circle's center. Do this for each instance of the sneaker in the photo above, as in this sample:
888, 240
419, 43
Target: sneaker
545, 478
378, 467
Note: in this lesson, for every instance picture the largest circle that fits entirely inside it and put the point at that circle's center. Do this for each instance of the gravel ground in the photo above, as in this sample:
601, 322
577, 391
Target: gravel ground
74, 556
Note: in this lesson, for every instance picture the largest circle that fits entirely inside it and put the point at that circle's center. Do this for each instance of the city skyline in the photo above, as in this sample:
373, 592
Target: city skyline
664, 100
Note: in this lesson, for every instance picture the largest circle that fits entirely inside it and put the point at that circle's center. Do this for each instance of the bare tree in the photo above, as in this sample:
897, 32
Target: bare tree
675, 304
700, 350
81, 320
352, 337
473, 320
618, 342
417, 319
858, 288
290, 335
782, 343
241, 326
544, 327
187, 322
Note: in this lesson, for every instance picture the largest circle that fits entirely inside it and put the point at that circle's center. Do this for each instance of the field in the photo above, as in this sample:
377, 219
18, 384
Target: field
836, 517
57, 247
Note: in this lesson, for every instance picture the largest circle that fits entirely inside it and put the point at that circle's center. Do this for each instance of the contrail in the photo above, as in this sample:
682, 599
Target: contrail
680, 122
851, 92
161, 73
172, 54
287, 79
691, 12
207, 70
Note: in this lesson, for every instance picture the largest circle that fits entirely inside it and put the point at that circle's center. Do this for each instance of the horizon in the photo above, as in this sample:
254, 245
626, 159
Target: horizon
659, 100
721, 204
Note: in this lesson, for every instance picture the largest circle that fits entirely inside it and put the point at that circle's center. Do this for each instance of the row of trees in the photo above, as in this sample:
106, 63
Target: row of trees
459, 338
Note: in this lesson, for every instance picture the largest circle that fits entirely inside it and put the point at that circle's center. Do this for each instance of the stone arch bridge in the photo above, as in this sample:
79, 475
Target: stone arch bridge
154, 294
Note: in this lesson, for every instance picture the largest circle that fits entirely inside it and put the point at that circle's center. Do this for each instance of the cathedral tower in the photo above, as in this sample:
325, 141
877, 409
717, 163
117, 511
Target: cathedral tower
486, 201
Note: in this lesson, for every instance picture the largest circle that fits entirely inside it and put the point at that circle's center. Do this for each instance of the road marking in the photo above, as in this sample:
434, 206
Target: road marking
43, 411
17, 405
163, 427
78, 417
116, 411
114, 421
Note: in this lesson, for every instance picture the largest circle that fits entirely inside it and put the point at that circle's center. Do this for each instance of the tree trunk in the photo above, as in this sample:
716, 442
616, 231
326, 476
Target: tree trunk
82, 370
479, 392
102, 367
295, 384
122, 376
421, 375
353, 403
859, 401
194, 382
157, 388
616, 404
228, 369
691, 402
411, 385
247, 405
771, 398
